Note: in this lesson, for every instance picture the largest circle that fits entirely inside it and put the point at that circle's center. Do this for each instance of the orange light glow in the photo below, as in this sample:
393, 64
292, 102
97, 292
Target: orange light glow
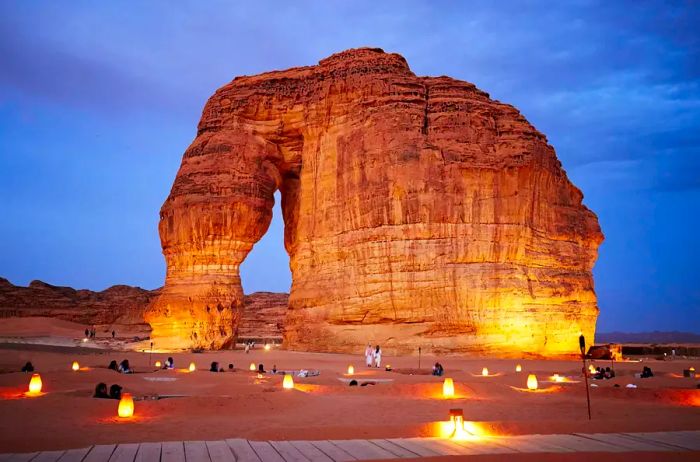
591, 369
253, 367
351, 369
35, 384
267, 347
531, 382
485, 372
126, 406
75, 366
448, 388
456, 428
558, 378
518, 368
159, 364
288, 382
193, 367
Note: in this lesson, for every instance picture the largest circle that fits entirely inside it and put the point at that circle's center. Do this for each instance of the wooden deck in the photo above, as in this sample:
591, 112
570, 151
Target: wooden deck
240, 450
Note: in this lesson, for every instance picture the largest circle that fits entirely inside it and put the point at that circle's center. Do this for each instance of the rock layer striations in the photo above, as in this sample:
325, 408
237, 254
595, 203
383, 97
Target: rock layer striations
417, 210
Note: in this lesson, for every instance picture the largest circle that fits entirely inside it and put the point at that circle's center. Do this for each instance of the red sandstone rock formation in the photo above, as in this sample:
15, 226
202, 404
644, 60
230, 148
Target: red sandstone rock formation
117, 305
263, 316
120, 305
418, 212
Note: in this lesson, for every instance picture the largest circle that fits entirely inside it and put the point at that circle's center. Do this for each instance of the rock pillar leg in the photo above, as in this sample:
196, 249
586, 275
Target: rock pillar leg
219, 206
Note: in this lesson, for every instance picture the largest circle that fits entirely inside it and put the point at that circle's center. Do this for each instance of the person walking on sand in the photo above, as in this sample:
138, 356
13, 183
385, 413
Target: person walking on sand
369, 355
378, 357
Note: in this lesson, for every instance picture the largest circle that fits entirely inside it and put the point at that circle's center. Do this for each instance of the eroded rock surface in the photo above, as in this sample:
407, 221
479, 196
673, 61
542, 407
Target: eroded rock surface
117, 305
418, 212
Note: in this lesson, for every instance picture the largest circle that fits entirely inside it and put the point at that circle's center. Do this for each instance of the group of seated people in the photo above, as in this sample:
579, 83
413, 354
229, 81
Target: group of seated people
123, 367
115, 391
601, 373
646, 372
438, 369
215, 367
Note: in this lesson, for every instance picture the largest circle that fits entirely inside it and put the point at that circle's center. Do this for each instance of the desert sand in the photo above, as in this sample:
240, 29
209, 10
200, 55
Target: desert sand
402, 403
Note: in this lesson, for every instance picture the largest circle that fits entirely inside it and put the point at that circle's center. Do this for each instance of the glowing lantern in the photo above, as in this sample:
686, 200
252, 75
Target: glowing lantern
288, 382
158, 364
260, 376
126, 406
692, 369
457, 425
35, 384
485, 372
267, 347
193, 367
557, 378
253, 367
351, 370
75, 366
531, 382
518, 368
448, 388
591, 369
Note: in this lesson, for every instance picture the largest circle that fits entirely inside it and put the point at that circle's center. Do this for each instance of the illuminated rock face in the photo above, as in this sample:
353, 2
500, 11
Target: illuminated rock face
418, 212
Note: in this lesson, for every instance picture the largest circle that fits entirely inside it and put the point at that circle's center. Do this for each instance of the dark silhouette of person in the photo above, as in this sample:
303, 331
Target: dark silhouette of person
115, 392
261, 368
87, 334
101, 391
169, 363
124, 367
230, 367
113, 365
113, 334
28, 367
214, 367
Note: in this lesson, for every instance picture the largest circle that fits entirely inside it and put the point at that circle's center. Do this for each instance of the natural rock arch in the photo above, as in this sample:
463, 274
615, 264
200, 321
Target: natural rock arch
417, 212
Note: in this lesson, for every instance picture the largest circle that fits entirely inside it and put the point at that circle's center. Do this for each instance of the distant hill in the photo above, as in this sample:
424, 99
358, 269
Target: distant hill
647, 337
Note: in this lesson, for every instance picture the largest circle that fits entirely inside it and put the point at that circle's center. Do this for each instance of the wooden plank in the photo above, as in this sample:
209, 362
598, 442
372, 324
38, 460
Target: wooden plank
575, 443
411, 445
526, 444
124, 453
172, 451
196, 451
310, 451
332, 451
22, 457
681, 440
288, 452
395, 449
242, 450
100, 453
48, 456
265, 451
628, 444
441, 446
363, 449
148, 452
220, 452
485, 445
74, 455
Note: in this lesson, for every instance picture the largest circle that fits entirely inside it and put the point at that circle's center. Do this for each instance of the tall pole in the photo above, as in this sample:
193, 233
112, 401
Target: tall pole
150, 356
419, 358
582, 345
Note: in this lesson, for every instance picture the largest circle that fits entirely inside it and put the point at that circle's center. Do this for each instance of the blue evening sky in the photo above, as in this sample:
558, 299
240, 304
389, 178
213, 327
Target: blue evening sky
98, 101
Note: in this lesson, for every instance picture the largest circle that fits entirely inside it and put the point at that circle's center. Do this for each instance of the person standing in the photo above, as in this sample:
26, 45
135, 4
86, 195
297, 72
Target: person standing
113, 334
87, 334
378, 357
369, 355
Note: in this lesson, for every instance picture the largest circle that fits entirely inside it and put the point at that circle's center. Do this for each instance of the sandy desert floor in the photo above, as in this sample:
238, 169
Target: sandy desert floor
239, 404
